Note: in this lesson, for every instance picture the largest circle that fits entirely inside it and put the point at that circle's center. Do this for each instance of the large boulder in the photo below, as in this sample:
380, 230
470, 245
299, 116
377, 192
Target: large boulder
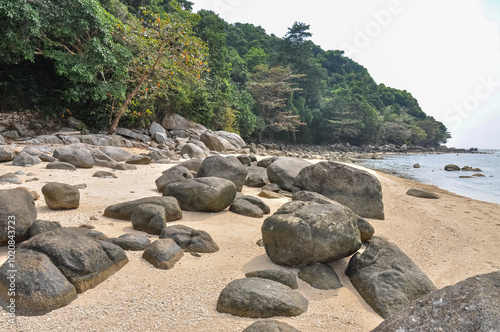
78, 157
386, 278
303, 233
84, 260
117, 154
257, 177
470, 305
158, 132
232, 138
124, 211
173, 121
171, 175
285, 277
284, 170
42, 226
163, 254
132, 134
39, 285
192, 165
7, 153
61, 196
189, 239
149, 218
17, 212
207, 194
26, 159
260, 298
228, 168
193, 151
213, 142
352, 187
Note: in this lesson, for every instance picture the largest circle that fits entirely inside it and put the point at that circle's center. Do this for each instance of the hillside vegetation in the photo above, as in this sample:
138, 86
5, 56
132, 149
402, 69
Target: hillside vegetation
128, 62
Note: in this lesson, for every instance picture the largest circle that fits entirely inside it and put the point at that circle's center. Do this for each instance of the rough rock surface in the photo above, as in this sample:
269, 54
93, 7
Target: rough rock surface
138, 160
189, 239
257, 177
61, 196
10, 178
149, 218
303, 233
207, 194
224, 167
132, 242
284, 170
17, 203
470, 305
193, 151
124, 211
320, 276
25, 159
171, 175
163, 254
352, 187
260, 298
270, 326
39, 285
42, 226
7, 153
285, 277
116, 153
78, 157
84, 260
386, 278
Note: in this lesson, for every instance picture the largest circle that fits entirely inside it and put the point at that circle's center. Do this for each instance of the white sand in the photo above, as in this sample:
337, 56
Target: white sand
450, 239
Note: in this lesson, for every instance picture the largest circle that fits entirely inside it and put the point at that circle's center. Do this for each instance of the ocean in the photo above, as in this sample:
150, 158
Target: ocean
432, 172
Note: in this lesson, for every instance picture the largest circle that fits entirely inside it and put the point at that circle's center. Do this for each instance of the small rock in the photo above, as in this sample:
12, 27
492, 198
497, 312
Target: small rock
269, 194
10, 178
104, 174
163, 254
139, 160
61, 196
320, 276
42, 226
132, 242
270, 326
61, 165
451, 168
417, 165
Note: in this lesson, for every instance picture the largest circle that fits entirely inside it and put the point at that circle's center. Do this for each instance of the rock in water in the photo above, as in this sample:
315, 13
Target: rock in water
61, 196
228, 168
451, 168
163, 254
352, 187
260, 298
124, 211
84, 260
386, 278
421, 193
17, 210
270, 326
39, 285
302, 233
203, 194
320, 276
284, 170
470, 305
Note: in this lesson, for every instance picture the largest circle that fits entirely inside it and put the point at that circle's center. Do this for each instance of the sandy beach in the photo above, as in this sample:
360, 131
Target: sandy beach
450, 239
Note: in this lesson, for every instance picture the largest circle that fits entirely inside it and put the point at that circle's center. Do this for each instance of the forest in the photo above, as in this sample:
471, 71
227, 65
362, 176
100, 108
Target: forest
127, 63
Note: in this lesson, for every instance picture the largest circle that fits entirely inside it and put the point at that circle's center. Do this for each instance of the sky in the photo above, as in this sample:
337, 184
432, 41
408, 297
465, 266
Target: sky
446, 53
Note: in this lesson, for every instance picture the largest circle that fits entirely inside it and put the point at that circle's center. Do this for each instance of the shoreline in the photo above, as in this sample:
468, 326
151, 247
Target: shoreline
450, 239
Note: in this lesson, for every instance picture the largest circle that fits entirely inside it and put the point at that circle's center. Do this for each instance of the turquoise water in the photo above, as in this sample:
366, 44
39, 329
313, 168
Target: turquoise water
432, 172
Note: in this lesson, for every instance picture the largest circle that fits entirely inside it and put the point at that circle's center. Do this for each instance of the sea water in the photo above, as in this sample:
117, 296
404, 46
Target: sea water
432, 172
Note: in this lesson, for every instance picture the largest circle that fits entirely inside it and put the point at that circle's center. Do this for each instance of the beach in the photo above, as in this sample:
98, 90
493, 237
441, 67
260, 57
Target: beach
450, 239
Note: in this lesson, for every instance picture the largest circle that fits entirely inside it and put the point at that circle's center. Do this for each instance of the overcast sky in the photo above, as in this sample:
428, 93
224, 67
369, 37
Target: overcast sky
446, 52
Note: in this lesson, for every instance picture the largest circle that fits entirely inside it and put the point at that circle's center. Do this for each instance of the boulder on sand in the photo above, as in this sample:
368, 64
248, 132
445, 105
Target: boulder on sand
124, 211
61, 196
163, 254
17, 210
284, 170
228, 168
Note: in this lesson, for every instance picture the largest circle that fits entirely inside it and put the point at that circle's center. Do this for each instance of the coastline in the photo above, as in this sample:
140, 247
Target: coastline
450, 239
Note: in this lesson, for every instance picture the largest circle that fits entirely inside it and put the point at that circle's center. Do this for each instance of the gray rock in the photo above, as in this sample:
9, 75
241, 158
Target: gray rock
174, 174
139, 160
354, 188
79, 157
365, 229
7, 153
12, 134
2, 140
386, 278
193, 151
101, 159
25, 159
266, 162
104, 174
192, 165
74, 123
149, 218
245, 159
207, 194
270, 326
257, 201
61, 196
116, 153
124, 211
421, 193
47, 158
320, 276
174, 121
84, 260
286, 278
42, 226
61, 165
189, 239
260, 298
163, 254
23, 130
39, 285
232, 138
132, 134
451, 168
272, 187
17, 208
158, 132
257, 177
212, 141
470, 305
10, 178
224, 167
284, 170
124, 167
243, 207
132, 242
303, 233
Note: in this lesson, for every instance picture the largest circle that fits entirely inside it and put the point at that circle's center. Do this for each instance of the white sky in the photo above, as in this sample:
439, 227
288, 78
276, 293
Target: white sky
446, 52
